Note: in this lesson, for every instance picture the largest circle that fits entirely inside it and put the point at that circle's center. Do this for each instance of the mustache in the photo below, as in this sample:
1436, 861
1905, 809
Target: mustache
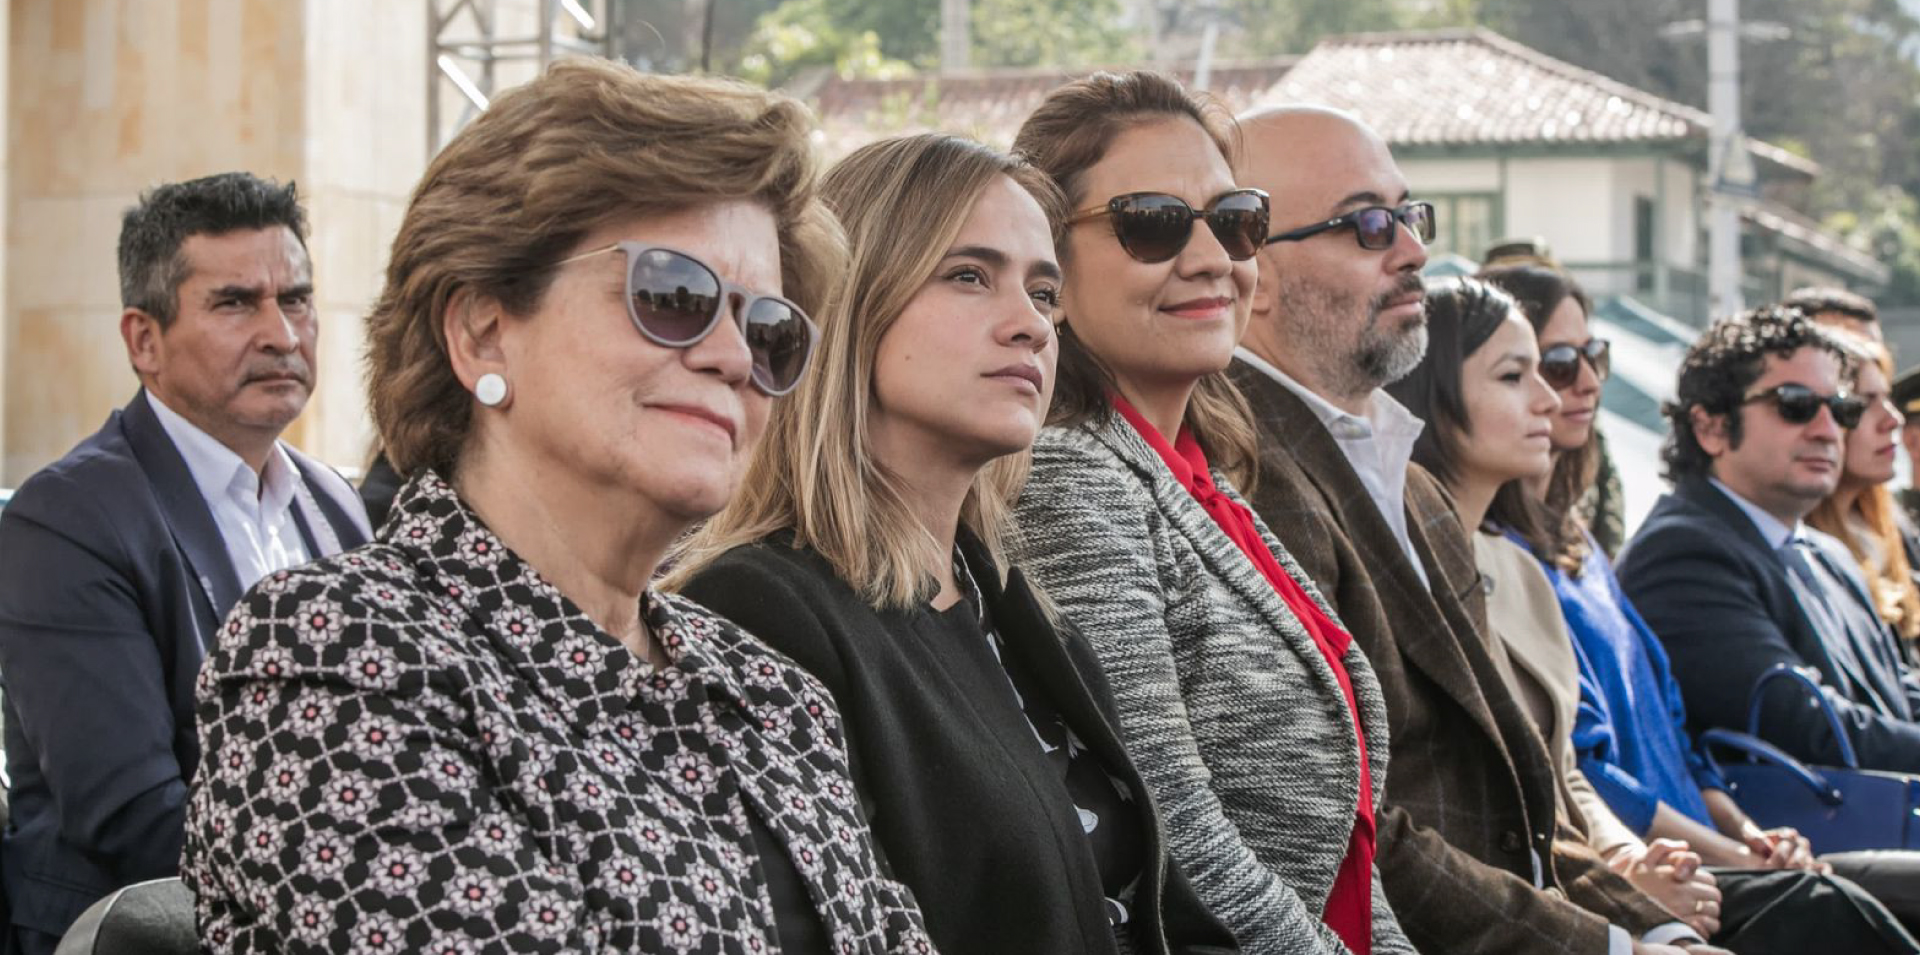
291, 367
1409, 283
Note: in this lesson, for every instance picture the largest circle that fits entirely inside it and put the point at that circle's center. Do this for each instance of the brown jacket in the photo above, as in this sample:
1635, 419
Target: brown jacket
1472, 794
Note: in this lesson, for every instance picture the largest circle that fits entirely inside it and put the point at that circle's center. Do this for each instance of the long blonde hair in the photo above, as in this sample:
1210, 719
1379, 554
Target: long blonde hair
902, 202
1890, 577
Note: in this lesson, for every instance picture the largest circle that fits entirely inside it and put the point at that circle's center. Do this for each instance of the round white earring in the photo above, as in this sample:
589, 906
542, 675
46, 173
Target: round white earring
491, 389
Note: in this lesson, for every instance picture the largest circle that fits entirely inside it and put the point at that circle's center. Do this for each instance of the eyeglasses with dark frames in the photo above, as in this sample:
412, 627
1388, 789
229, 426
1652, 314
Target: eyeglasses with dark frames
1560, 364
1154, 226
1374, 227
1799, 404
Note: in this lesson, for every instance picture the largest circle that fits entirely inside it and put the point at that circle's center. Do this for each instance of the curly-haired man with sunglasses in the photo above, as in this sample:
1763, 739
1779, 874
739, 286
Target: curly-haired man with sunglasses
1726, 574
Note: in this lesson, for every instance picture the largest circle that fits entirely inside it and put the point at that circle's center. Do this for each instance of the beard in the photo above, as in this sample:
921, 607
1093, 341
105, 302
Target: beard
1353, 364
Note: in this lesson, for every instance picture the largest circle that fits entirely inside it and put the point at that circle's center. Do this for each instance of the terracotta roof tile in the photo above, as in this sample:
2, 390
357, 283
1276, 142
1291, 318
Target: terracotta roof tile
988, 105
1475, 87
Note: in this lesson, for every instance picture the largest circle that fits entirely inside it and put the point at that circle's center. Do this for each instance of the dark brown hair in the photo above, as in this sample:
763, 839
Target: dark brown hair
1067, 135
1462, 314
1561, 538
1722, 364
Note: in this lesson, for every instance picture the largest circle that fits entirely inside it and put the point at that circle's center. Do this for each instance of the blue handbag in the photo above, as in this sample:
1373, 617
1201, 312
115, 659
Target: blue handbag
1839, 808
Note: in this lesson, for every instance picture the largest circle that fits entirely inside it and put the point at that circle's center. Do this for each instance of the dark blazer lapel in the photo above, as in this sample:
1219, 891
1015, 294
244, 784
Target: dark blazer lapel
1326, 467
1699, 492
1024, 628
187, 515
344, 527
1862, 661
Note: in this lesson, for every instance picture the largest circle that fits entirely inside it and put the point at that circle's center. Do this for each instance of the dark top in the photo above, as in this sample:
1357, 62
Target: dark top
1104, 804
1726, 607
421, 745
964, 803
113, 576
796, 925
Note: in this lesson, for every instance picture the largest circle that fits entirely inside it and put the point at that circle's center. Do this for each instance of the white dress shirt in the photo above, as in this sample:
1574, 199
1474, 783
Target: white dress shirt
254, 512
1379, 446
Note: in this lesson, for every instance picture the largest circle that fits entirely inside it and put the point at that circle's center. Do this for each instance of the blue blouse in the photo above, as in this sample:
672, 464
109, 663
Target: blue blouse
1629, 734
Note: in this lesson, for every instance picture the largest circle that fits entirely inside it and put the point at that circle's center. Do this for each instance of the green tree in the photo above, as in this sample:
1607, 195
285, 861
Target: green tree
802, 35
1069, 34
1842, 88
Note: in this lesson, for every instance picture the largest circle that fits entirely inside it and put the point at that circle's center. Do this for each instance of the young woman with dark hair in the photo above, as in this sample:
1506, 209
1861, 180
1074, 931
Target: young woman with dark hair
1257, 721
1492, 426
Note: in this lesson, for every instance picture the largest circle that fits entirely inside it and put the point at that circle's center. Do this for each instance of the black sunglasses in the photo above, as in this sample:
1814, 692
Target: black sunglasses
674, 300
1798, 404
1155, 227
1560, 365
1373, 227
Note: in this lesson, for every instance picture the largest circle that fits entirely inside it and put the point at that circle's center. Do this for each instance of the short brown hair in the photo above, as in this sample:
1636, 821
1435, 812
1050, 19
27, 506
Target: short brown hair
1069, 134
586, 144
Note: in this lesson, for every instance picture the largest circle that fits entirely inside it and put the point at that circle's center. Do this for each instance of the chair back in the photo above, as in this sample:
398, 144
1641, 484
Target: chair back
146, 918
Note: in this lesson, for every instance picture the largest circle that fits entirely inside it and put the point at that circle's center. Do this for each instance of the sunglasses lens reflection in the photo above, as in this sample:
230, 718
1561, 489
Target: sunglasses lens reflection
1847, 411
780, 341
1600, 354
675, 298
1239, 221
1560, 366
1153, 228
1375, 228
1420, 220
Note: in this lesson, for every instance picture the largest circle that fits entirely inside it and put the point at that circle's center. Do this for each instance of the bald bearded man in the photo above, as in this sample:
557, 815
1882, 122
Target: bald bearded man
1476, 854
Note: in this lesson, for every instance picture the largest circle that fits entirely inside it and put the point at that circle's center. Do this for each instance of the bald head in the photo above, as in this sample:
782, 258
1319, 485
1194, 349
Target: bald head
1339, 318
1316, 162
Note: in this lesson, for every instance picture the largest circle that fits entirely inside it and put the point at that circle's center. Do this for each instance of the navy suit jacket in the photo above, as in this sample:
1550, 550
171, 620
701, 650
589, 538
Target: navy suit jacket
113, 580
1727, 609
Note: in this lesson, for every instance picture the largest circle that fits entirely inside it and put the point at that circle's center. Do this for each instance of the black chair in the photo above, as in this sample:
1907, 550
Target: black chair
146, 918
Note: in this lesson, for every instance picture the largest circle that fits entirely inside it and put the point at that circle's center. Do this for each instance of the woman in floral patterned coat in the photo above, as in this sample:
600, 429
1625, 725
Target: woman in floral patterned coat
484, 732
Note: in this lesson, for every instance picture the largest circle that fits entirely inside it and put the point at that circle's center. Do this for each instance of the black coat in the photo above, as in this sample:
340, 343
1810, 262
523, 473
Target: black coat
963, 804
1727, 610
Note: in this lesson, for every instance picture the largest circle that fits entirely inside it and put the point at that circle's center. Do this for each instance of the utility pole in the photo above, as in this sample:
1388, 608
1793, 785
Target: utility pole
1210, 15
1729, 165
956, 35
1731, 179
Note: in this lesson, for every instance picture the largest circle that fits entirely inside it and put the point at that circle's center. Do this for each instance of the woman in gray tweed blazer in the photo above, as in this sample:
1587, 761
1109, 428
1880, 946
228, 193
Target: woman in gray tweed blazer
1236, 716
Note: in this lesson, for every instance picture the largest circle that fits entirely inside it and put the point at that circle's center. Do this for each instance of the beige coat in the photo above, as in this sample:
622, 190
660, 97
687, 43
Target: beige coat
1524, 611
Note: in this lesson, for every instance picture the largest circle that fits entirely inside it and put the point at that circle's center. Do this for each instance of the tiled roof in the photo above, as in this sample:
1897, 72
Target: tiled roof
1796, 229
1475, 87
988, 105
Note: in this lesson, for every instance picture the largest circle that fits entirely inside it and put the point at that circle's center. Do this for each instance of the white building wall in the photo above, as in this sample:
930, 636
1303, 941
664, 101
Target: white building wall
1434, 176
1573, 204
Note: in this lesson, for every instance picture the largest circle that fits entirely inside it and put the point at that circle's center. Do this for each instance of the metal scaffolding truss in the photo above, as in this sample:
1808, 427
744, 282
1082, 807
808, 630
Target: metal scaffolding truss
467, 47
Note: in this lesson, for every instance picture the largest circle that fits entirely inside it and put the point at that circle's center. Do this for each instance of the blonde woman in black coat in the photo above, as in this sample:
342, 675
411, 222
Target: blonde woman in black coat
867, 545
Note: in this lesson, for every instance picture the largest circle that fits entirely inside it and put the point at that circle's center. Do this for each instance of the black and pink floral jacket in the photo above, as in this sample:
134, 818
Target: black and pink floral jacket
422, 746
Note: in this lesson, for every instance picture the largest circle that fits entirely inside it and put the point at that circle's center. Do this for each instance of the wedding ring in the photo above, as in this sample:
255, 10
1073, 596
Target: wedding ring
1699, 905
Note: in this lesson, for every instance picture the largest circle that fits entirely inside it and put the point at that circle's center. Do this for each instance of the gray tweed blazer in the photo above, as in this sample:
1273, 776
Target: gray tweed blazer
1232, 713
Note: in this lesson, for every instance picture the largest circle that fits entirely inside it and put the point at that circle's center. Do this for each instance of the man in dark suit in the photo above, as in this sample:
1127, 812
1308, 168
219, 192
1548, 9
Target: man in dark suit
1468, 849
1728, 577
119, 561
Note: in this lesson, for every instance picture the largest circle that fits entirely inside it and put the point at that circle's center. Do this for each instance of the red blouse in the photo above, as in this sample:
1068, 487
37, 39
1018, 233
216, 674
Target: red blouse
1349, 910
